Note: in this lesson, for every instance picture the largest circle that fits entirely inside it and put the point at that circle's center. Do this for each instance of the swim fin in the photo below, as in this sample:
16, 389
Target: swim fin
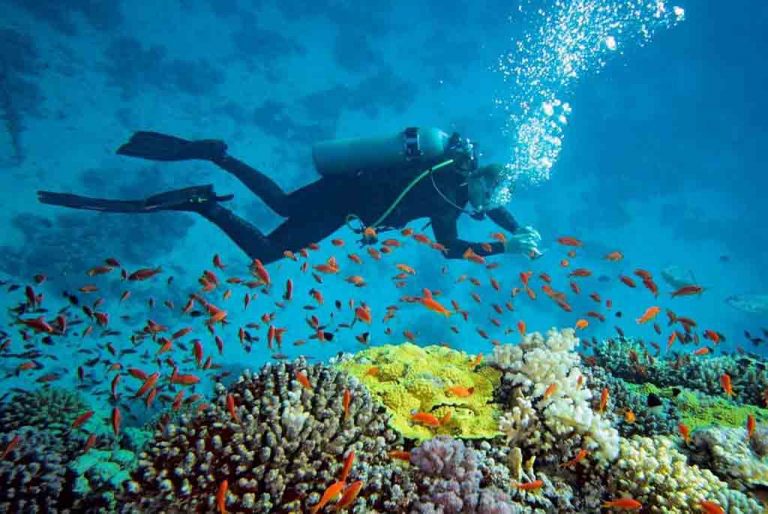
186, 199
155, 146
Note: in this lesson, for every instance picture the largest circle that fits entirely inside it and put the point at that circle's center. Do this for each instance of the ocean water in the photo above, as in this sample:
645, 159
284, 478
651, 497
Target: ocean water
632, 126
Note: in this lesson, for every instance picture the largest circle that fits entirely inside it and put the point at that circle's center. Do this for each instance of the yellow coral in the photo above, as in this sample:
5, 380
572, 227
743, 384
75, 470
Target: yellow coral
407, 379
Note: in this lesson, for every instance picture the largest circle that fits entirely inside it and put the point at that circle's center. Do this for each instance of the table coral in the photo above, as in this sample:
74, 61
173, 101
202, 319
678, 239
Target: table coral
408, 379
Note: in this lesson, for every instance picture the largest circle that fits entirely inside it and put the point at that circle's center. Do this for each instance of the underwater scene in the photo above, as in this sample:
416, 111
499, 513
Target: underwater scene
468, 256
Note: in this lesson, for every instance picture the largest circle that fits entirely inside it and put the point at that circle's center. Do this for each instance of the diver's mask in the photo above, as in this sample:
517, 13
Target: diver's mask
482, 184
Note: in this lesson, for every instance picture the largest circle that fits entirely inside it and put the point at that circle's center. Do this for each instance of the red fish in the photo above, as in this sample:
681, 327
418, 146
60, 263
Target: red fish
221, 497
623, 504
349, 495
12, 444
116, 420
144, 274
688, 290
569, 241
231, 408
303, 379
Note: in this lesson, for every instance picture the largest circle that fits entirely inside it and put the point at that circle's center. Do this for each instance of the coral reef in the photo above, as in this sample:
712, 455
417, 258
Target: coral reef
50, 409
728, 453
562, 420
699, 410
100, 473
34, 475
278, 444
407, 379
749, 376
627, 396
654, 472
450, 482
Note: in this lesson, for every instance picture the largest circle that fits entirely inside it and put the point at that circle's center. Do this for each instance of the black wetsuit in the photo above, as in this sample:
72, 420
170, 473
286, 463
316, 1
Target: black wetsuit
318, 209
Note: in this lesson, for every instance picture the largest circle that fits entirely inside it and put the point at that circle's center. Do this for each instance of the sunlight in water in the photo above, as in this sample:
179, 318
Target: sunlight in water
567, 40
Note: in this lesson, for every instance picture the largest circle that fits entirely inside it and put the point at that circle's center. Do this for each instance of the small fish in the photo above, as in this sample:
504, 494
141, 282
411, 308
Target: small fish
629, 416
116, 420
331, 492
551, 389
81, 419
751, 424
349, 495
578, 458
530, 486
400, 455
581, 324
347, 467
701, 351
303, 380
426, 419
221, 497
569, 241
603, 400
460, 391
623, 504
685, 432
710, 507
347, 398
649, 314
687, 290
12, 444
614, 256
725, 382
231, 408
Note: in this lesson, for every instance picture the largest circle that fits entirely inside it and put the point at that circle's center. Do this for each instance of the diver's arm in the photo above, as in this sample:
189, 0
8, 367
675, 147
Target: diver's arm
446, 234
503, 218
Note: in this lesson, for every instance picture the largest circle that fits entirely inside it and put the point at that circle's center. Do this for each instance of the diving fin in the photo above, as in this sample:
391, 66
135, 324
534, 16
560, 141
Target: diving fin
155, 146
186, 199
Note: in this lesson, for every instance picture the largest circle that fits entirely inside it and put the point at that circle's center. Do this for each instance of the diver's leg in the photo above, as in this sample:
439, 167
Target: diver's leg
245, 235
186, 199
260, 184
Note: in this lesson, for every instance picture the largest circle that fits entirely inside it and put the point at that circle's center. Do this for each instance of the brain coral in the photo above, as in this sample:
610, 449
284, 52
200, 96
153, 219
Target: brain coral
282, 448
436, 380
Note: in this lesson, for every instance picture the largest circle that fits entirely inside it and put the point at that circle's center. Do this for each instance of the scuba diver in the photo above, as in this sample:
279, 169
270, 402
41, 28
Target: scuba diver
381, 183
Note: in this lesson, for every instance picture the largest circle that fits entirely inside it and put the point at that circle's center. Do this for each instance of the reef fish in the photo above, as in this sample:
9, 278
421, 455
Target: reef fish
749, 303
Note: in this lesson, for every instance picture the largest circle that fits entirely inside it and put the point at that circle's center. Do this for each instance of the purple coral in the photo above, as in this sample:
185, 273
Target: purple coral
451, 481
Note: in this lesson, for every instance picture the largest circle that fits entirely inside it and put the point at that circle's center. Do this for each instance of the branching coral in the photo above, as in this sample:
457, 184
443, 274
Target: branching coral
730, 455
49, 409
565, 414
279, 446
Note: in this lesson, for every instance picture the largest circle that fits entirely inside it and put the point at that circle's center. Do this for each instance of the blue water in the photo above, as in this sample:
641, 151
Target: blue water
662, 158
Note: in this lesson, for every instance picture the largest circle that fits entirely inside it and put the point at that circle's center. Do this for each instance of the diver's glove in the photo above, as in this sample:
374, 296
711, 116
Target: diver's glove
526, 241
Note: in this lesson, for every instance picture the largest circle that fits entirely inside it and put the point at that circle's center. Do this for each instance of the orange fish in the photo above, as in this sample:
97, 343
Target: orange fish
751, 424
260, 271
476, 361
614, 256
430, 303
569, 241
702, 351
345, 402
725, 381
603, 400
372, 371
578, 458
629, 416
303, 380
347, 467
580, 272
623, 504
551, 389
363, 313
330, 493
649, 314
628, 281
712, 336
582, 324
369, 234
221, 497
530, 486
349, 495
709, 507
521, 328
400, 455
470, 255
685, 432
231, 408
461, 391
426, 419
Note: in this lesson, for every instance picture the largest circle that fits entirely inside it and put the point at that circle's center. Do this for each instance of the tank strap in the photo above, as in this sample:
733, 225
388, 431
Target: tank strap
399, 198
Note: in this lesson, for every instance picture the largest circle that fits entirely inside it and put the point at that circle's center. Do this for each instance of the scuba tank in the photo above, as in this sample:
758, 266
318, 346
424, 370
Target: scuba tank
412, 145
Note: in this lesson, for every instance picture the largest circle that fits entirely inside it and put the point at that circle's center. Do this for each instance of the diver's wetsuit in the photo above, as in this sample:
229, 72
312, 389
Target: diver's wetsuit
318, 209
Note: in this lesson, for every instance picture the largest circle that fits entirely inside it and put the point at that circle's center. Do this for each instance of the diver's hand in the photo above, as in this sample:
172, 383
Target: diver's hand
526, 241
